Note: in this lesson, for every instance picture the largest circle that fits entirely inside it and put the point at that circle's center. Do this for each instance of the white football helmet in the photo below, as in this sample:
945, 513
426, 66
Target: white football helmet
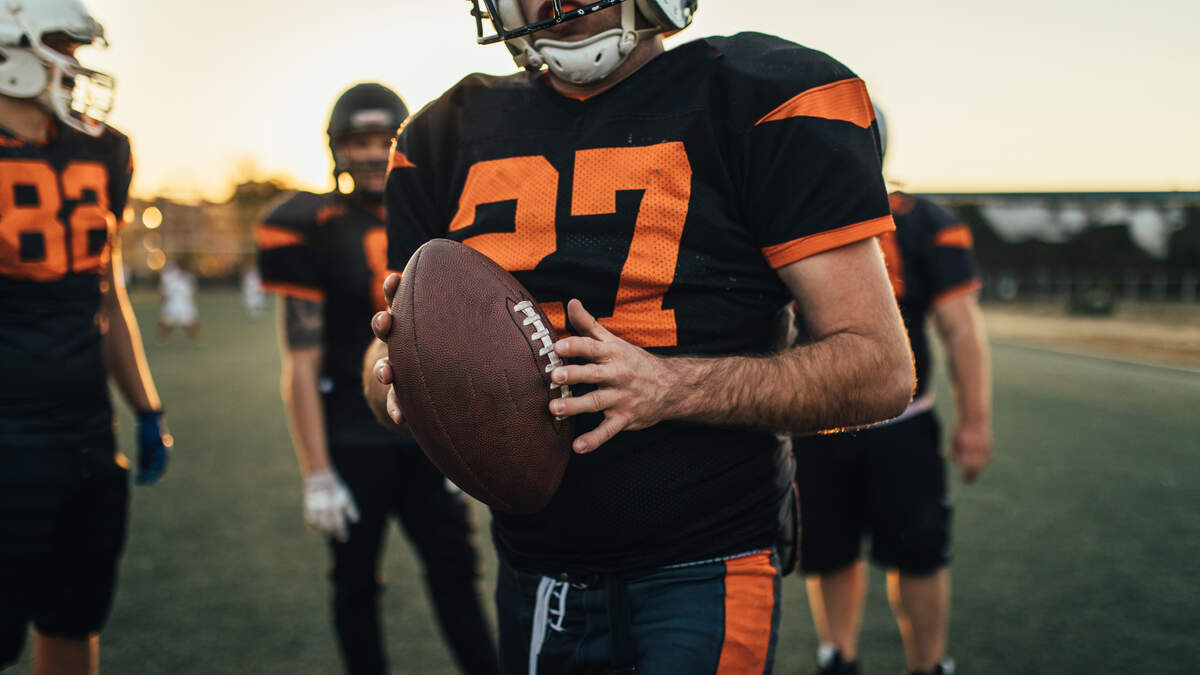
586, 60
29, 68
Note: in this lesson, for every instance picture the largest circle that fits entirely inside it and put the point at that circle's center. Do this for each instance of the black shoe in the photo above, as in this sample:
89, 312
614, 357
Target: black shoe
837, 666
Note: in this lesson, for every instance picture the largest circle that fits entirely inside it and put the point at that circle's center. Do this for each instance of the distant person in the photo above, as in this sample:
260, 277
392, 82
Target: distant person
65, 328
888, 481
178, 289
325, 255
252, 293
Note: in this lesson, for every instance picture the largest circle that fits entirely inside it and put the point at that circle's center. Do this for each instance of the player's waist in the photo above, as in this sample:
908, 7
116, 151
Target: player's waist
31, 427
696, 493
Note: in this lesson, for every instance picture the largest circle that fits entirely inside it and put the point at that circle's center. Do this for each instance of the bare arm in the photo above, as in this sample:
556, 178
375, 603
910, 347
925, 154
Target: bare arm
123, 352
960, 325
301, 324
857, 370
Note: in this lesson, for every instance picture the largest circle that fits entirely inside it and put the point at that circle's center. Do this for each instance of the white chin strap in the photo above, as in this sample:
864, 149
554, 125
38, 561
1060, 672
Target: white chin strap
592, 59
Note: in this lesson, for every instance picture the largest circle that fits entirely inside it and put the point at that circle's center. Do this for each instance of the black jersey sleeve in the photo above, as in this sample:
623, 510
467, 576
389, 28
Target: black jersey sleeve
120, 175
952, 264
414, 212
286, 259
810, 173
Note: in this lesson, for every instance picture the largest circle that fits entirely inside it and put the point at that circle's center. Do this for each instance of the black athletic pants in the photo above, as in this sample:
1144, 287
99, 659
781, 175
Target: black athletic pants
399, 481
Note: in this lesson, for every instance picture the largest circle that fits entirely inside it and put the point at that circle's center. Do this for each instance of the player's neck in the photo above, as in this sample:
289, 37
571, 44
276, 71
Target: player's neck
644, 53
25, 118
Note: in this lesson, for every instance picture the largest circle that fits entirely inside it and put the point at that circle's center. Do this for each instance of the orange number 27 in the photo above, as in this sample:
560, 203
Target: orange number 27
661, 171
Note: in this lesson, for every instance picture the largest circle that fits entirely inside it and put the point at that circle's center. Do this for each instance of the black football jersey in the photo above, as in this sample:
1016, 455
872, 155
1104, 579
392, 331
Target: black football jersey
929, 260
665, 204
60, 207
333, 249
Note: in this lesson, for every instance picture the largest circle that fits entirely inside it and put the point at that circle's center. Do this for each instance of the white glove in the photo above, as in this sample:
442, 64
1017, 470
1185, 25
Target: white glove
328, 505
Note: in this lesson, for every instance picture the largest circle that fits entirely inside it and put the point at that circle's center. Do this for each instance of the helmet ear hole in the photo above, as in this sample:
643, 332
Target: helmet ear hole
22, 74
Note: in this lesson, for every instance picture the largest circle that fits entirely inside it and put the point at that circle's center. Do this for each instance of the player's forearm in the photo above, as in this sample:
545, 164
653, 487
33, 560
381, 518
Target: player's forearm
305, 412
123, 351
843, 380
971, 369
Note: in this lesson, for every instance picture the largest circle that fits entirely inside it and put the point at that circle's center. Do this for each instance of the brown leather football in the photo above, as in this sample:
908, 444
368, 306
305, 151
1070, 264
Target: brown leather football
472, 352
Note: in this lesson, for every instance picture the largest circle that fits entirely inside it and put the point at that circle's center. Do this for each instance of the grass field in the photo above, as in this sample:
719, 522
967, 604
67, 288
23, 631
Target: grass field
1077, 553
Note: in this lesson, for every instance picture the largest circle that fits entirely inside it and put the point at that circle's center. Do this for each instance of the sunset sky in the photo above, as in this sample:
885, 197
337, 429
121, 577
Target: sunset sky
980, 95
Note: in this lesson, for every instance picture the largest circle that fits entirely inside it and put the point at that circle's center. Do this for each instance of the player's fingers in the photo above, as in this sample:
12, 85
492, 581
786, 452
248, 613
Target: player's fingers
393, 407
597, 400
381, 325
583, 373
582, 348
390, 284
584, 323
383, 371
351, 510
600, 435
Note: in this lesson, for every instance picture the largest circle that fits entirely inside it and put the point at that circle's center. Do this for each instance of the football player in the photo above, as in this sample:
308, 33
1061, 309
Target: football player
65, 327
662, 206
889, 480
325, 256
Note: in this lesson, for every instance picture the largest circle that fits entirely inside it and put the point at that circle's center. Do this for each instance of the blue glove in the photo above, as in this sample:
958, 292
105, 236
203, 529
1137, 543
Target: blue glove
154, 443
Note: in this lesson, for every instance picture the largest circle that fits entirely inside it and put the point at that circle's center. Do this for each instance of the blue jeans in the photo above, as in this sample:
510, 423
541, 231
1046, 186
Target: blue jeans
706, 618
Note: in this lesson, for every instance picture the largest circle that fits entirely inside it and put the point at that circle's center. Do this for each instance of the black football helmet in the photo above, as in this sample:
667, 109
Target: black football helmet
365, 107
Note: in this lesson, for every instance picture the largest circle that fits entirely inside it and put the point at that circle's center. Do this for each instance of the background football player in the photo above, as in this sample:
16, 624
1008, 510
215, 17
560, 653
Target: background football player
682, 197
889, 480
325, 255
65, 326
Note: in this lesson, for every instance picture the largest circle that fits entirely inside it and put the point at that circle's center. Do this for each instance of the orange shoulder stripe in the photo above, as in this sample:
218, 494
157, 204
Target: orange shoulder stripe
955, 235
295, 291
398, 159
797, 249
901, 203
268, 237
955, 291
844, 100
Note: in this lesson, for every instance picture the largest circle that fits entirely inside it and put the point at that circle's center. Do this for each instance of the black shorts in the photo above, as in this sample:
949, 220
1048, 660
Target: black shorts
888, 482
62, 527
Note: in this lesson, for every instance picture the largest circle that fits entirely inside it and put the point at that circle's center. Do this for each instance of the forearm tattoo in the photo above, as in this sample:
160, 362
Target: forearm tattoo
304, 321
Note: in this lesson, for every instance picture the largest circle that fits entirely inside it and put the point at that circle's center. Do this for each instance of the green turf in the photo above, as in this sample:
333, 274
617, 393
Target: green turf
1075, 554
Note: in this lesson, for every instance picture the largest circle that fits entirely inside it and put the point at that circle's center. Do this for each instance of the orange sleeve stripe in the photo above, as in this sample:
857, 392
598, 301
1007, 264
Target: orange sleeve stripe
798, 249
295, 291
398, 159
749, 606
844, 100
956, 235
268, 237
954, 291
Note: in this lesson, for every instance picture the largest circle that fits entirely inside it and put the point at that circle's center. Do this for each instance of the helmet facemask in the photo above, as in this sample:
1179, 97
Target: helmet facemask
79, 96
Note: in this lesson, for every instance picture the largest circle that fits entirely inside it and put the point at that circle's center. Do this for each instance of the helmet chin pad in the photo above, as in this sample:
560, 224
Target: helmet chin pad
587, 60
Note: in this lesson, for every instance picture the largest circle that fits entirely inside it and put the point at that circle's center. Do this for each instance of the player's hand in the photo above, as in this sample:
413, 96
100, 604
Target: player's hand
328, 505
632, 384
154, 446
972, 448
381, 325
